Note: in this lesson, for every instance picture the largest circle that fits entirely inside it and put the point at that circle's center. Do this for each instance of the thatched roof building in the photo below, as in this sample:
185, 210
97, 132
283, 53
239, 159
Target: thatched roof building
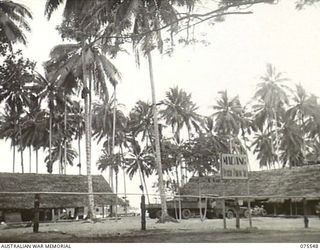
298, 182
16, 182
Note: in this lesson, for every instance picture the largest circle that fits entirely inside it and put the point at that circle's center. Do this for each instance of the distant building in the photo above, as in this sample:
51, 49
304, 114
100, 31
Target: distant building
15, 207
272, 188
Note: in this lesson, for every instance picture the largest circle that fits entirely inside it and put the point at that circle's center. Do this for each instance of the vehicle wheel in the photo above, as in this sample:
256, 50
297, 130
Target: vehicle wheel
152, 215
158, 214
264, 212
186, 213
246, 213
210, 215
230, 214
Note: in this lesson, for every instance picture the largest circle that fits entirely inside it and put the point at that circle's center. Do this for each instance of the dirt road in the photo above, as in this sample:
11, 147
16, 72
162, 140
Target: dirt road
193, 230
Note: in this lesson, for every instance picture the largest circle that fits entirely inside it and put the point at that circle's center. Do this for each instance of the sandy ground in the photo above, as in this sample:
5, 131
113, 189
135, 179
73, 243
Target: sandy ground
129, 228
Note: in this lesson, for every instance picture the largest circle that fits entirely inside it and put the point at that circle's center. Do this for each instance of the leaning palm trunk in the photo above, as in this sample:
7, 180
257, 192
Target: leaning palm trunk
88, 136
157, 142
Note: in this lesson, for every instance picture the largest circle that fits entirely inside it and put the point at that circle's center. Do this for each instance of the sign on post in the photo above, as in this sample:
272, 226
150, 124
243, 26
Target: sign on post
234, 166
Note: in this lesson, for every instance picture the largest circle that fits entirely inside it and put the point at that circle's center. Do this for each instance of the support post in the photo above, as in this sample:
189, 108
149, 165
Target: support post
102, 210
143, 212
36, 213
52, 214
237, 208
224, 214
250, 217
305, 213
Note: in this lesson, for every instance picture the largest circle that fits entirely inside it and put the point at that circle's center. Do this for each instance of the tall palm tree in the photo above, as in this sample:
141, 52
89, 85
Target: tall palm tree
228, 117
16, 91
273, 93
180, 111
13, 22
107, 121
8, 130
139, 160
141, 121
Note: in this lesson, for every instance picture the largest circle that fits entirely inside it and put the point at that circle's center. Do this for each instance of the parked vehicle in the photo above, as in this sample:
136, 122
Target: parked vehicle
190, 207
258, 211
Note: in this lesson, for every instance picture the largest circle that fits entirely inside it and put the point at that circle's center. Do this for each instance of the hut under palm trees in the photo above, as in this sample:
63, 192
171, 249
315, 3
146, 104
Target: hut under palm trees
20, 205
281, 191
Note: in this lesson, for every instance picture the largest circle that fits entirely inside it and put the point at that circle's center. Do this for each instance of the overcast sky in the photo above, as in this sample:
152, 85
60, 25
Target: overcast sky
237, 56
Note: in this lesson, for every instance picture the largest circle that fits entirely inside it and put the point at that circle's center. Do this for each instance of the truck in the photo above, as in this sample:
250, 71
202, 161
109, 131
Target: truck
190, 207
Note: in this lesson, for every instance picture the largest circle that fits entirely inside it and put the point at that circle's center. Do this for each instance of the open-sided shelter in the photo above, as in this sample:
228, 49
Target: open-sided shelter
24, 202
280, 190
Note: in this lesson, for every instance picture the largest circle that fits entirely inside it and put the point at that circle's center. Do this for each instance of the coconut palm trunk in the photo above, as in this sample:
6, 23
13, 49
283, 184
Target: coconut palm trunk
87, 105
157, 142
79, 149
30, 159
37, 160
65, 133
21, 149
14, 156
124, 179
50, 133
113, 146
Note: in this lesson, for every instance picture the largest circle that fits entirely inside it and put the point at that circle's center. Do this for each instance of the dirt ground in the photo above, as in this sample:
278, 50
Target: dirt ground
192, 230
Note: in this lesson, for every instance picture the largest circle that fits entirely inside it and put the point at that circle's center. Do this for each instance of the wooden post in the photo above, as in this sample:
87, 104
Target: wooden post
224, 214
250, 217
102, 210
143, 212
290, 207
52, 214
305, 213
36, 213
237, 207
275, 209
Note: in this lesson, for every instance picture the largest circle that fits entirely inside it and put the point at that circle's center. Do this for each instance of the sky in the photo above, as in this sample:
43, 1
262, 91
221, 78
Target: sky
239, 49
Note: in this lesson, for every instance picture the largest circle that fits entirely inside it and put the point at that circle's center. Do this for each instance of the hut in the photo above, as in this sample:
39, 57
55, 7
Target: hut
15, 206
281, 191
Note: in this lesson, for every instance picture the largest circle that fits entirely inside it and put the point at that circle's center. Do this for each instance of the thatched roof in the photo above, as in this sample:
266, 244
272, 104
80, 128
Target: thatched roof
16, 182
302, 181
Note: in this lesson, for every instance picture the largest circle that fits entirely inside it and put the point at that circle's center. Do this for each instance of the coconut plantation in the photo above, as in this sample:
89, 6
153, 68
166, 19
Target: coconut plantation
194, 121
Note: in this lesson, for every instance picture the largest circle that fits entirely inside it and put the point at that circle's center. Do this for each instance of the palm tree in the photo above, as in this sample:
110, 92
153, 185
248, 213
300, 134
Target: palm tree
8, 131
13, 22
179, 111
16, 91
105, 119
228, 117
291, 144
139, 160
272, 93
141, 120
114, 161
262, 143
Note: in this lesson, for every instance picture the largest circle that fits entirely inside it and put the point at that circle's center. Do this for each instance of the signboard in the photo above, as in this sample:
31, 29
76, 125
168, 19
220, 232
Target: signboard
234, 166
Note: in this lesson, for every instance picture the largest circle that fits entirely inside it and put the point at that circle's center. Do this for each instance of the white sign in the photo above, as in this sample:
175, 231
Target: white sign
234, 166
